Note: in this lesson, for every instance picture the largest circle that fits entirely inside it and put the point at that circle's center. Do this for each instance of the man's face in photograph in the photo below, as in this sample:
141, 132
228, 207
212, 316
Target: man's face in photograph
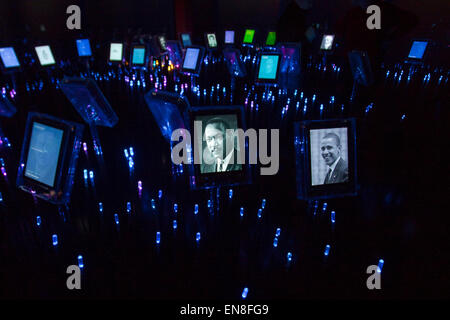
215, 140
330, 150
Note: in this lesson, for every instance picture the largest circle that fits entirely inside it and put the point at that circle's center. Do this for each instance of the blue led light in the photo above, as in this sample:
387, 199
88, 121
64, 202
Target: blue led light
116, 218
158, 237
380, 265
324, 207
197, 237
128, 207
289, 256
333, 216
263, 204
195, 209
244, 293
175, 224
175, 207
85, 174
241, 211
209, 203
100, 206
55, 240
130, 163
230, 193
126, 153
153, 204
38, 221
277, 233
327, 250
131, 152
160, 194
259, 213
275, 242
80, 261
91, 175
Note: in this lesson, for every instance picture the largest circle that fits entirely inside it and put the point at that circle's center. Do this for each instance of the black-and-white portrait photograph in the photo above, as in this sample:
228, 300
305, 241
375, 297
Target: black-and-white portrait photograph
329, 156
219, 150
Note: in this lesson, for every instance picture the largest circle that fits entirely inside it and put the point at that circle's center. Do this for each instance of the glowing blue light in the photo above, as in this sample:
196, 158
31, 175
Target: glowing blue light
275, 242
263, 204
230, 193
116, 218
100, 206
333, 216
289, 256
197, 237
403, 116
209, 203
153, 204
130, 163
131, 152
244, 293
128, 207
55, 240
80, 261
241, 211
140, 185
327, 250
321, 107
196, 209
91, 175
38, 221
278, 232
380, 265
158, 237
324, 207
160, 194
259, 213
85, 174
175, 224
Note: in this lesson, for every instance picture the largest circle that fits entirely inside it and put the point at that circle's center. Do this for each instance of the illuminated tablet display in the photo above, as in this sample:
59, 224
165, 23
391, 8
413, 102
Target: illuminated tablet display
229, 37
191, 59
116, 52
43, 153
271, 38
249, 35
186, 39
45, 55
329, 156
9, 57
327, 42
212, 41
84, 48
138, 55
417, 49
268, 67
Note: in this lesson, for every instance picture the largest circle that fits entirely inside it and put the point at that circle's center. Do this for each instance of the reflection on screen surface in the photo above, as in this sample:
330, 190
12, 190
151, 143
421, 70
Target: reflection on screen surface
115, 52
190, 60
268, 67
9, 57
138, 56
417, 49
43, 153
84, 48
45, 55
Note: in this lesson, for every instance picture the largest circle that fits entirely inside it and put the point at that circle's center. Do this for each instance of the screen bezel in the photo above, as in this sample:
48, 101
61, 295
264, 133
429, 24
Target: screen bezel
51, 51
109, 52
277, 75
197, 69
253, 38
57, 179
425, 53
138, 46
78, 50
267, 38
335, 189
10, 69
214, 179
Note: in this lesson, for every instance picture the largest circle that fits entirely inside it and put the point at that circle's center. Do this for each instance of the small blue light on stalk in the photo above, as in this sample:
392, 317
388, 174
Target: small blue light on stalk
333, 216
289, 257
277, 233
153, 204
130, 163
244, 293
175, 207
55, 240
116, 218
91, 174
158, 237
128, 207
197, 237
1, 197
125, 151
275, 242
131, 152
85, 174
324, 207
209, 203
196, 209
327, 250
160, 194
241, 211
80, 261
38, 221
259, 213
175, 224
230, 194
139, 185
100, 207
380, 265
263, 204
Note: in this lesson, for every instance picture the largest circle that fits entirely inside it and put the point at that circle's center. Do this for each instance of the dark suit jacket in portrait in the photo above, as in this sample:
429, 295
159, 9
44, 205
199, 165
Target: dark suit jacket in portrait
339, 174
209, 168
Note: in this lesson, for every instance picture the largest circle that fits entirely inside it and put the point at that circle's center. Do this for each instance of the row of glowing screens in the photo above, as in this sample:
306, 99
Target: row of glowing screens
46, 58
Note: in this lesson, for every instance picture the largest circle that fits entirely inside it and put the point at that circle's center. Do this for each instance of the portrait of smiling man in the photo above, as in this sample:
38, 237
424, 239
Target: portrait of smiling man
221, 147
331, 150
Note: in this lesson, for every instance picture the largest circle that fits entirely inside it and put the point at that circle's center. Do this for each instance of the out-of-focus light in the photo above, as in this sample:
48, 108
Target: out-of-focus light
158, 237
380, 265
55, 240
327, 250
244, 293
80, 261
